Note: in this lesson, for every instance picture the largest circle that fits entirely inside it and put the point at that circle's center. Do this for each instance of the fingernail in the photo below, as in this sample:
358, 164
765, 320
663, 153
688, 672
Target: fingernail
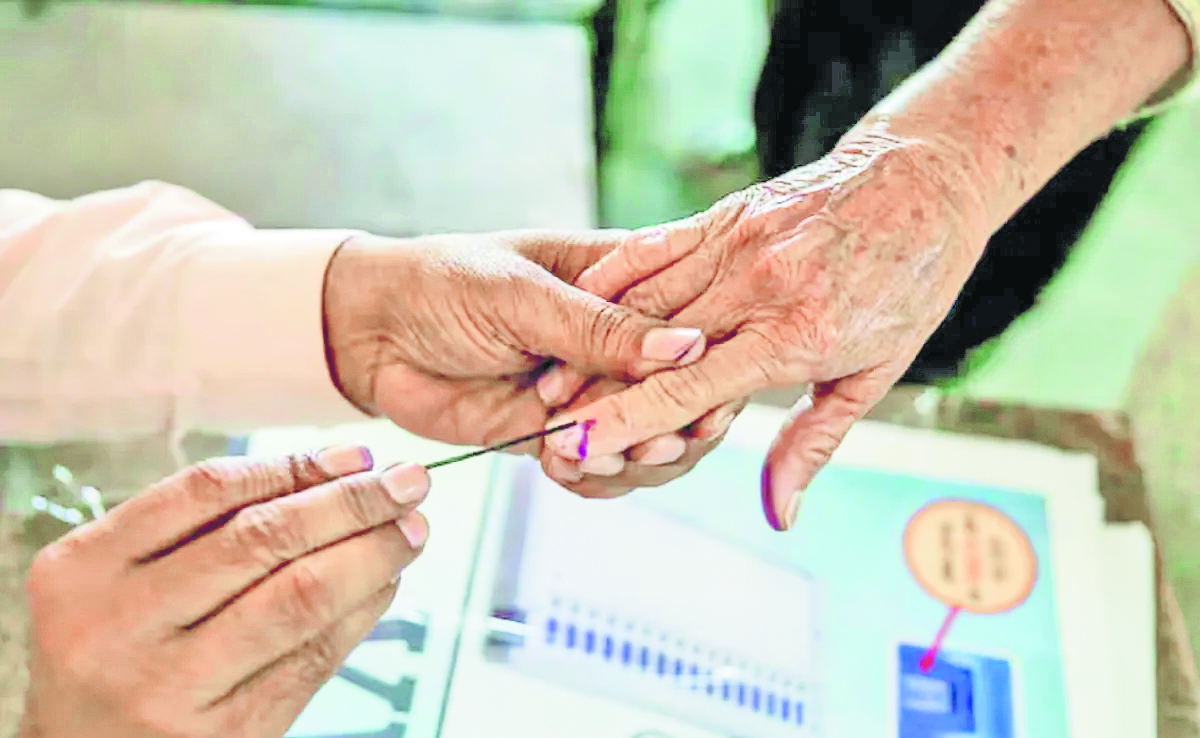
562, 470
603, 465
661, 450
768, 500
803, 405
339, 461
550, 386
406, 483
720, 423
415, 529
569, 443
672, 344
793, 509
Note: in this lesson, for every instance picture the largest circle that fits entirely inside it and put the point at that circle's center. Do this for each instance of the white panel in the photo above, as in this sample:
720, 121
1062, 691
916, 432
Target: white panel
1131, 608
623, 602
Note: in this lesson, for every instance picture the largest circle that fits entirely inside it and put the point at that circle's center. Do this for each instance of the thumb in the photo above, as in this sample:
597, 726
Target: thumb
815, 429
600, 337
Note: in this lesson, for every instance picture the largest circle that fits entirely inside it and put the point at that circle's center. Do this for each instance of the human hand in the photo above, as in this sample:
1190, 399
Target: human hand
648, 464
832, 276
446, 336
216, 602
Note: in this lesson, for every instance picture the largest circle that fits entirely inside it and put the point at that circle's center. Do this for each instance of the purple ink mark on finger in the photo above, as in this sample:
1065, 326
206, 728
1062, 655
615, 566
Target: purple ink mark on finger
586, 428
768, 500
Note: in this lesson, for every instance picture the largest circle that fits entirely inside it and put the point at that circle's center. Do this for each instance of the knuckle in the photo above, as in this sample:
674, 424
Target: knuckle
824, 439
782, 345
621, 415
684, 392
303, 471
761, 370
605, 329
319, 660
648, 299
208, 479
366, 503
306, 602
676, 395
266, 535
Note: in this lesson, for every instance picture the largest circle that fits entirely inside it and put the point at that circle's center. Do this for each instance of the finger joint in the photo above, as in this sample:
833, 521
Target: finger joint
307, 603
267, 536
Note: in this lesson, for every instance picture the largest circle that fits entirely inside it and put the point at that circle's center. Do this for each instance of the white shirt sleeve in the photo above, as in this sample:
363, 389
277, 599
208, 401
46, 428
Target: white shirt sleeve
150, 310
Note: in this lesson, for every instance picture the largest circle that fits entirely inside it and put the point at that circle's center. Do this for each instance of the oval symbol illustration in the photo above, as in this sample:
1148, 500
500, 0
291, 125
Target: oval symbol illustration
970, 556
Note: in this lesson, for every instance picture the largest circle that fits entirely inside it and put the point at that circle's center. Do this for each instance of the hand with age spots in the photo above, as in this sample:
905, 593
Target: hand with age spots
455, 352
833, 276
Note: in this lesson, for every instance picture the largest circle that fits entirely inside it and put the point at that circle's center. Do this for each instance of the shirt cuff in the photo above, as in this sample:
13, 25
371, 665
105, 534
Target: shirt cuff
253, 344
1186, 84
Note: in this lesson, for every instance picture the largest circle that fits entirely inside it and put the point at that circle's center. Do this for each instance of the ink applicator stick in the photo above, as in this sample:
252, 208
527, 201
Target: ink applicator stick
586, 426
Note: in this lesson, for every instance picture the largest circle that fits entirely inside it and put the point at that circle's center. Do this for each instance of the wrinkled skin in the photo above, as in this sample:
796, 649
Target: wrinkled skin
219, 600
447, 335
832, 276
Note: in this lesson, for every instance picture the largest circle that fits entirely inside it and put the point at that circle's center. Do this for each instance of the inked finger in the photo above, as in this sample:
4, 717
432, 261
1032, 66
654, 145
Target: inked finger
666, 401
810, 436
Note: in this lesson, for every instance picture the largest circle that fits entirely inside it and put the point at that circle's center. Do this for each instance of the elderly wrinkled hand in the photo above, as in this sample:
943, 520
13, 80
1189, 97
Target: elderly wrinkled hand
447, 335
834, 276
220, 599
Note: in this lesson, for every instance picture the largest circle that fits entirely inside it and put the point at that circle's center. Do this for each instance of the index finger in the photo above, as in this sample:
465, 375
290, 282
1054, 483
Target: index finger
565, 254
666, 401
261, 538
643, 254
202, 496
